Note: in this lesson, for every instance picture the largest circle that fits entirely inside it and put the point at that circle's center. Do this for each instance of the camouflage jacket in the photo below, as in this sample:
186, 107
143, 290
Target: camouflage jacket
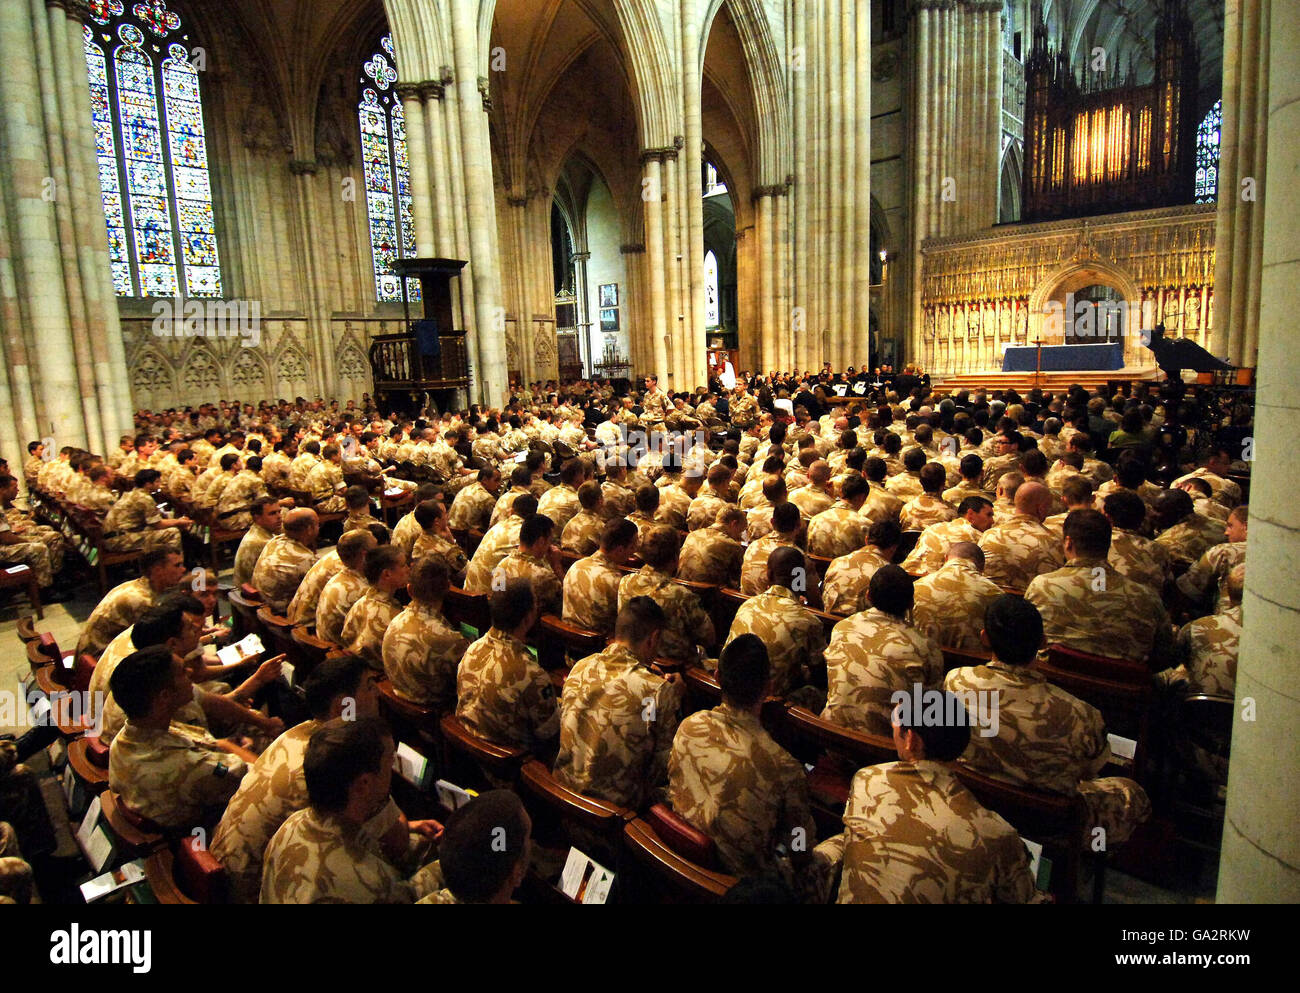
871, 656
793, 634
504, 695
591, 593
421, 651
950, 603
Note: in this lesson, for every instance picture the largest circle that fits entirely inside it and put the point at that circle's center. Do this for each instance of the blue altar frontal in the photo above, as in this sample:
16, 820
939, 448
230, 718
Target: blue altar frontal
1064, 358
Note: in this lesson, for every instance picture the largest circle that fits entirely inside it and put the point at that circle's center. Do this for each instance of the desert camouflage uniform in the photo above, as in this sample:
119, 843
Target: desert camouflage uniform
905, 485
343, 590
711, 555
793, 634
1018, 550
203, 484
322, 485
503, 695
33, 554
704, 510
275, 469
32, 468
950, 605
811, 500
744, 410
100, 499
129, 525
15, 874
582, 533
872, 655
1213, 566
1049, 740
932, 547
922, 511
431, 543
250, 548
27, 528
421, 652
1147, 492
687, 623
643, 524
844, 587
753, 568
495, 546
280, 571
234, 508
997, 467
472, 508
178, 780
1139, 559
299, 469
1189, 539
956, 494
55, 475
880, 505
654, 406
115, 613
271, 790
1090, 607
366, 622
591, 593
727, 777
504, 505
913, 833
1224, 491
316, 858
180, 484
302, 608
561, 505
1208, 648
405, 531
837, 531
617, 721
619, 500
540, 575
674, 506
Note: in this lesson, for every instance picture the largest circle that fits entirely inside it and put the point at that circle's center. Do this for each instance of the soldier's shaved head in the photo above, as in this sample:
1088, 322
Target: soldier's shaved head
819, 472
783, 565
300, 521
967, 550
1034, 499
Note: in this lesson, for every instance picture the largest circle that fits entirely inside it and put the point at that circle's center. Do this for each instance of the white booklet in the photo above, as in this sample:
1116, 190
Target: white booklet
452, 796
101, 886
1122, 749
411, 765
585, 880
1039, 867
241, 651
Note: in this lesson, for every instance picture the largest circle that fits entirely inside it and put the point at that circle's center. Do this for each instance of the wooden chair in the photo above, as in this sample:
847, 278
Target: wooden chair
957, 658
562, 642
219, 536
278, 632
657, 873
27, 629
135, 835
822, 563
563, 817
88, 761
22, 577
462, 607
189, 876
244, 605
726, 604
475, 761
310, 651
1123, 692
411, 723
89, 527
835, 753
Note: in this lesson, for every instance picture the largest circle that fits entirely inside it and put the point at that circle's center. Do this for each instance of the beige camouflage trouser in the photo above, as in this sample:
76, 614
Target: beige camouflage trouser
146, 541
32, 554
1115, 804
51, 539
15, 874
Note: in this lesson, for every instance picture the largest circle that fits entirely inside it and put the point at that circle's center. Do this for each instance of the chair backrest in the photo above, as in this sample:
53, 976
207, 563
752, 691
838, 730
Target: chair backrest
82, 669
682, 836
312, 651
1099, 666
1207, 721
905, 545
413, 724
136, 832
808, 735
959, 658
462, 607
537, 783
27, 629
498, 761
200, 876
244, 611
558, 642
661, 874
726, 604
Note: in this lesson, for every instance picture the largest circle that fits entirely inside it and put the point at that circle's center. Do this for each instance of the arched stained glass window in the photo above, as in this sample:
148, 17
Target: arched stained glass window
712, 302
153, 159
389, 205
1207, 155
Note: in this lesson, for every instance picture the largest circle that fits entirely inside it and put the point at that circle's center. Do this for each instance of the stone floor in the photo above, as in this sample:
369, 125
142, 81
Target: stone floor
1198, 869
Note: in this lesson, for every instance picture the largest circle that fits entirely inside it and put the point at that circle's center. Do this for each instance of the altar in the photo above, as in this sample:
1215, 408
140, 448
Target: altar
1105, 357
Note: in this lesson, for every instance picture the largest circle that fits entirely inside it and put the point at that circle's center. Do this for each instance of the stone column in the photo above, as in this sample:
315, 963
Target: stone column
631, 309
652, 195
801, 328
417, 147
1260, 859
862, 187
1243, 149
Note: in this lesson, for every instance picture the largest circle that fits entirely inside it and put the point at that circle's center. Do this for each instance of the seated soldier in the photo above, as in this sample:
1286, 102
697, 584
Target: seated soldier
590, 587
472, 507
793, 634
161, 569
483, 853
582, 534
785, 526
876, 652
1207, 647
1076, 494
561, 503
847, 579
689, 625
134, 522
1046, 738
179, 779
1020, 548
502, 694
1209, 574
728, 778
913, 833
971, 469
974, 518
949, 605
265, 526
421, 648
618, 718
817, 496
331, 851
407, 528
1183, 533
346, 586
929, 507
714, 554
501, 539
1132, 554
646, 516
880, 504
274, 786
435, 539
1088, 606
324, 482
359, 518
536, 560
714, 495
286, 558
386, 572
841, 529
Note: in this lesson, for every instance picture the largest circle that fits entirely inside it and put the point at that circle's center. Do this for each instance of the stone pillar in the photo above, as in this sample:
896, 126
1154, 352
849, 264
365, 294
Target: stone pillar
652, 189
632, 310
417, 148
1260, 860
1243, 149
861, 123
801, 328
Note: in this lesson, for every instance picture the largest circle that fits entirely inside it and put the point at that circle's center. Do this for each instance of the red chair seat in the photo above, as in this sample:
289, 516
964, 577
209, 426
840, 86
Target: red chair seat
200, 876
683, 837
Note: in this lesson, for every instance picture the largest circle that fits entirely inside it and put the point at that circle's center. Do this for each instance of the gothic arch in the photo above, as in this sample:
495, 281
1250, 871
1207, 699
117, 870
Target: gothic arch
1010, 184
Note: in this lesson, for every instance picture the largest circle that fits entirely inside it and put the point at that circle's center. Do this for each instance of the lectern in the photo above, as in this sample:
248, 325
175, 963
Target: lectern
429, 360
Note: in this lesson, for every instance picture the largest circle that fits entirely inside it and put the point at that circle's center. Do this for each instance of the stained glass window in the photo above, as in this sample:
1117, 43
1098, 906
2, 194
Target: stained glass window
389, 205
153, 159
1207, 155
